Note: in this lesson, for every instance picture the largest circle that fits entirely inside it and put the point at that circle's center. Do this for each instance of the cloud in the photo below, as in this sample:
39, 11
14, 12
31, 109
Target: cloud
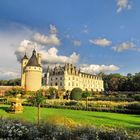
8, 74
103, 42
25, 46
11, 34
49, 56
49, 40
77, 43
92, 69
85, 29
53, 29
123, 4
124, 46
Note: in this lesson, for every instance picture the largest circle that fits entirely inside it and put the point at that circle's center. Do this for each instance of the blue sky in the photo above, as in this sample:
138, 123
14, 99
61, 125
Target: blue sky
96, 35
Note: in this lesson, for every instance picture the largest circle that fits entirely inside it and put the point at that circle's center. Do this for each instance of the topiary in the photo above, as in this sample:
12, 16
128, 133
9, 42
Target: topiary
76, 94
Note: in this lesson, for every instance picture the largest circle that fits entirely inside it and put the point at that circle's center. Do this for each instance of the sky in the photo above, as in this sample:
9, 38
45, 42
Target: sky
95, 35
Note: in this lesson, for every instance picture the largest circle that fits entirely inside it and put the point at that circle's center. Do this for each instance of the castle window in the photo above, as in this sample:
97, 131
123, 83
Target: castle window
56, 78
60, 78
56, 84
60, 83
51, 84
72, 83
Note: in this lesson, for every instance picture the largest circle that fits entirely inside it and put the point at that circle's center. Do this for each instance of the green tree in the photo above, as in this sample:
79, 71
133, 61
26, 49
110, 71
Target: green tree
37, 99
76, 94
136, 81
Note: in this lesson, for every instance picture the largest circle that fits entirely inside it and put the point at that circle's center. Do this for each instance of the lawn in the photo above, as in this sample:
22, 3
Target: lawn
84, 117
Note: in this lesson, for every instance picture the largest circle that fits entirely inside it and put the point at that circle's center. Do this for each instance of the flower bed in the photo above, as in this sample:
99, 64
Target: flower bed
13, 129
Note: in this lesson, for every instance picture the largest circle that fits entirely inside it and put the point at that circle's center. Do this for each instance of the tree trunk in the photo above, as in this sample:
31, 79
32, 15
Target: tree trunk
38, 115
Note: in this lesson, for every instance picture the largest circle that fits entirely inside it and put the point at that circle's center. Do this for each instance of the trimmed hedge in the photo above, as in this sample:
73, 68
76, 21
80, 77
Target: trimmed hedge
76, 94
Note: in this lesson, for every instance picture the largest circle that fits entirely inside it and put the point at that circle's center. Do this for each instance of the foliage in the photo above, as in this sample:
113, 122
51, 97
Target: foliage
86, 94
106, 106
76, 94
15, 91
13, 129
51, 92
118, 82
13, 82
37, 98
127, 121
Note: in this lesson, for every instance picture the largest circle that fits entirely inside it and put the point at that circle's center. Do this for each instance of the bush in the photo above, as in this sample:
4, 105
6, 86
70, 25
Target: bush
15, 91
133, 106
71, 103
86, 94
76, 94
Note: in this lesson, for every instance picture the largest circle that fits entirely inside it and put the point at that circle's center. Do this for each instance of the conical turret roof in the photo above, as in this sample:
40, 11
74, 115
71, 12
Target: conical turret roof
25, 57
33, 60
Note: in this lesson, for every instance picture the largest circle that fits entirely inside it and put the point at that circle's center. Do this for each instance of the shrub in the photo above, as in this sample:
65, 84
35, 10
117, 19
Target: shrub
71, 103
86, 94
133, 106
15, 91
76, 94
16, 130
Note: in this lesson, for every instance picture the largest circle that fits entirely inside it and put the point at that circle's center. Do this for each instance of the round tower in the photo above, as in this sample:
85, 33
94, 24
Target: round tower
24, 62
33, 73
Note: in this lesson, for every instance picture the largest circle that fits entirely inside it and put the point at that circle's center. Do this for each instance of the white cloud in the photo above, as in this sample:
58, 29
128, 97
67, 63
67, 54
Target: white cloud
77, 43
98, 68
103, 42
8, 74
11, 34
25, 46
49, 56
53, 29
123, 4
49, 40
124, 46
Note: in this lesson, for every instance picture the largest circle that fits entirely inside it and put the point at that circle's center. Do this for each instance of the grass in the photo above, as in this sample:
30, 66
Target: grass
127, 121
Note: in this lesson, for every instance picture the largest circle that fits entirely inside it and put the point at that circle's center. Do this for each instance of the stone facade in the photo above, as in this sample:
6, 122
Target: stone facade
31, 72
68, 77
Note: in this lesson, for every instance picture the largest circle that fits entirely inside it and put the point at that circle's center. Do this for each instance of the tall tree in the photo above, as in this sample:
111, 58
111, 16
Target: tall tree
37, 99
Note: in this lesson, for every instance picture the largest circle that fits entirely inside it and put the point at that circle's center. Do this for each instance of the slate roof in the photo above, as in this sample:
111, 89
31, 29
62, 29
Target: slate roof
25, 57
33, 60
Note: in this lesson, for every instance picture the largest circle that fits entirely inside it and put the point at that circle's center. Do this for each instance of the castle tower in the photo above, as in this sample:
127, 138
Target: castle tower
32, 78
24, 62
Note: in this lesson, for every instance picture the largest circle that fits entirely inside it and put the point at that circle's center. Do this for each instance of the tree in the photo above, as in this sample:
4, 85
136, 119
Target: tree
136, 81
37, 99
76, 94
